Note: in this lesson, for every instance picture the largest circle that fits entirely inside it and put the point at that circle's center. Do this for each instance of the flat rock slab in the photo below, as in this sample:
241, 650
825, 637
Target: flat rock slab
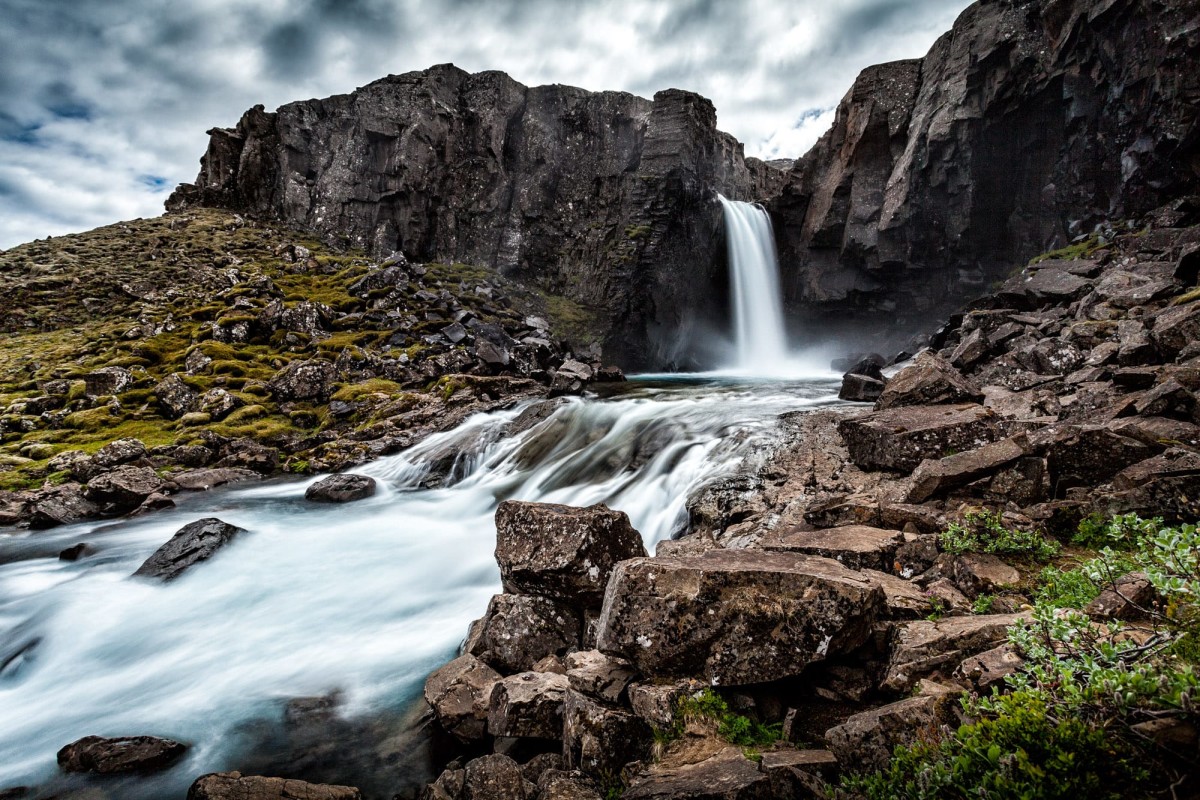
935, 476
901, 438
905, 600
735, 616
856, 546
196, 542
345, 488
201, 480
563, 552
102, 756
726, 775
929, 380
865, 741
923, 648
233, 786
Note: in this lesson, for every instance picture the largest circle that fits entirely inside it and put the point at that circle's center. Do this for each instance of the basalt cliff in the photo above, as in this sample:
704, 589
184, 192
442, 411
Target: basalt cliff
1023, 127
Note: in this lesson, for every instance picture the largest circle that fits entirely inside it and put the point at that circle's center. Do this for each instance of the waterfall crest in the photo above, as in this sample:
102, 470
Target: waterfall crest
759, 333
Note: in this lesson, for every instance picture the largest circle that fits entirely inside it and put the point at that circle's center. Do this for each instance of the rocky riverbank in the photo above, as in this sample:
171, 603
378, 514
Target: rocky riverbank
253, 353
838, 599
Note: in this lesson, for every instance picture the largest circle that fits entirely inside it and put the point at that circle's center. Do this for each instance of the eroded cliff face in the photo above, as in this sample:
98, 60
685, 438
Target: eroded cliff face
604, 198
1025, 125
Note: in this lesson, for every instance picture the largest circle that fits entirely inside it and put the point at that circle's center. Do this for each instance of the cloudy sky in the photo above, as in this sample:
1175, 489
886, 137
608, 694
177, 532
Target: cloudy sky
104, 104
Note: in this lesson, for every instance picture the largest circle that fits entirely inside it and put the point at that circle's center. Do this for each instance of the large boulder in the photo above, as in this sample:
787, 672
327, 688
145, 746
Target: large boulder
924, 647
175, 398
520, 630
1176, 328
58, 505
124, 488
125, 754
726, 775
107, 381
560, 551
344, 488
528, 705
866, 740
599, 675
304, 380
601, 739
929, 380
901, 438
712, 615
235, 786
1091, 454
193, 543
459, 693
934, 476
856, 546
495, 777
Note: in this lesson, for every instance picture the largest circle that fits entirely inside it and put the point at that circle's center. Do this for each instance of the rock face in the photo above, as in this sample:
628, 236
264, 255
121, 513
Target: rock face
192, 544
562, 552
604, 197
129, 754
1022, 128
706, 615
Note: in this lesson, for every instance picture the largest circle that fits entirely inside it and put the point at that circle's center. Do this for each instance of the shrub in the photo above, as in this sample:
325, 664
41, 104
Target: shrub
984, 532
733, 727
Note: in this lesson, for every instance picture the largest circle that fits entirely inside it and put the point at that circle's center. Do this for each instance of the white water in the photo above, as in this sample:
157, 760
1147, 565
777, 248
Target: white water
365, 598
760, 336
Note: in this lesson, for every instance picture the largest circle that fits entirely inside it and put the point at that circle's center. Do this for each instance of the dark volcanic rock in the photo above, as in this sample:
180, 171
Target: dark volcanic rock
528, 705
343, 488
708, 615
560, 551
519, 630
193, 543
124, 488
901, 438
128, 754
459, 693
59, 505
304, 380
567, 190
867, 739
929, 380
233, 786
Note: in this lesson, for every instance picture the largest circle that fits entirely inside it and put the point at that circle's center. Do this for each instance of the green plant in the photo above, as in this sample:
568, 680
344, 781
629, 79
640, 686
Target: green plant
735, 728
1122, 531
984, 532
983, 604
1070, 588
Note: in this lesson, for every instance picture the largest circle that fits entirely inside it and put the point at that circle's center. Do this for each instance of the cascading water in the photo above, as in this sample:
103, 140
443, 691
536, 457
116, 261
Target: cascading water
759, 332
363, 599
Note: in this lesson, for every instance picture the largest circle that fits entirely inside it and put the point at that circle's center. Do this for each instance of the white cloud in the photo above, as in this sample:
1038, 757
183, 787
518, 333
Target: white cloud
99, 99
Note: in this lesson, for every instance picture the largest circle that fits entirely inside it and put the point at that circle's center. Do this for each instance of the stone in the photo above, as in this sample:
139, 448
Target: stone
201, 480
560, 551
725, 775
599, 675
656, 702
459, 694
218, 404
235, 786
304, 380
856, 546
58, 505
495, 777
929, 380
1167, 399
570, 378
116, 453
1049, 285
528, 705
915, 556
924, 648
600, 739
193, 543
519, 630
708, 615
344, 488
175, 398
124, 488
983, 573
140, 754
454, 332
1176, 328
935, 476
1089, 455
901, 438
567, 786
75, 552
904, 599
866, 740
989, 669
1130, 597
861, 388
970, 350
107, 381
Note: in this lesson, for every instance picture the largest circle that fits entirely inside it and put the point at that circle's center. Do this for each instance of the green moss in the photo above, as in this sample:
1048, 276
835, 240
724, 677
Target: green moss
1187, 297
353, 392
1083, 249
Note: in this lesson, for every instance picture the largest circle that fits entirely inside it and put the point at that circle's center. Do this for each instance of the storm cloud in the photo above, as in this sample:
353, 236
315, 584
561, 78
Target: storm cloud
104, 105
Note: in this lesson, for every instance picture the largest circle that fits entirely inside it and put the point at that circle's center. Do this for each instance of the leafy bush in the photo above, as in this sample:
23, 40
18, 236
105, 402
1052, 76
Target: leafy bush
1121, 532
1070, 588
733, 727
984, 532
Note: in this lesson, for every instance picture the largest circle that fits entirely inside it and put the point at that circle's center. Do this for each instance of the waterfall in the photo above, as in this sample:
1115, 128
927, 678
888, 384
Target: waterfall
759, 332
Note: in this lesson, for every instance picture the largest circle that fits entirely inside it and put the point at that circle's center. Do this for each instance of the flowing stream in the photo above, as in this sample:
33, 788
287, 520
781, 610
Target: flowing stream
363, 599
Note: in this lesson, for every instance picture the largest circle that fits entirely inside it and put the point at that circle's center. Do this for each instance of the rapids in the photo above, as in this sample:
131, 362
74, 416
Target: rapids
363, 599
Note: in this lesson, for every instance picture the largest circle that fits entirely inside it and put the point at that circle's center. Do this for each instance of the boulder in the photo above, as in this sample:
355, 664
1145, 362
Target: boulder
599, 675
600, 739
865, 741
924, 648
193, 543
528, 705
1091, 454
107, 381
459, 693
58, 505
495, 777
656, 702
116, 453
1130, 597
201, 480
175, 398
304, 380
566, 786
856, 546
989, 669
1050, 285
904, 599
519, 630
935, 476
233, 786
970, 350
570, 378
1167, 399
1176, 328
218, 404
861, 388
929, 380
344, 488
901, 438
980, 573
560, 551
725, 775
709, 615
124, 488
102, 756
